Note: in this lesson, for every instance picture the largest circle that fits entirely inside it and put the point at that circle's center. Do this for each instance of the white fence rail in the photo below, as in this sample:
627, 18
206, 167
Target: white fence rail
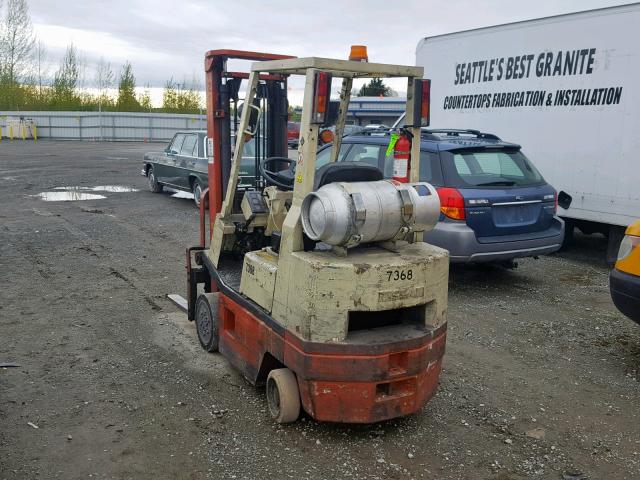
110, 126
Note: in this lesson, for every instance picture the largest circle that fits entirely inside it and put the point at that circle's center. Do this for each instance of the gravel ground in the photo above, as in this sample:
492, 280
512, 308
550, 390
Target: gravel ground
541, 376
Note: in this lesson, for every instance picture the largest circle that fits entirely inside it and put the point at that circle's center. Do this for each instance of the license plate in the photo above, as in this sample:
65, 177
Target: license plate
515, 214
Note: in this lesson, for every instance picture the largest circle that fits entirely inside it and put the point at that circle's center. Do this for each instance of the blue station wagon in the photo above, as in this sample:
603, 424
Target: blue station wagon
495, 205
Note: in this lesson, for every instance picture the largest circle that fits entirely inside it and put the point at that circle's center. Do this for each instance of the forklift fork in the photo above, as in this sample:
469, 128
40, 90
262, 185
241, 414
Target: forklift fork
196, 274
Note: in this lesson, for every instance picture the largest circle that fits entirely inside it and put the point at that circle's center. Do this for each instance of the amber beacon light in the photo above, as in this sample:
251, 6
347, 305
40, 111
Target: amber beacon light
359, 53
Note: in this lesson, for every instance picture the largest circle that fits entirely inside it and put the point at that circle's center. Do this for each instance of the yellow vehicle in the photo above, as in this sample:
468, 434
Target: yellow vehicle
625, 277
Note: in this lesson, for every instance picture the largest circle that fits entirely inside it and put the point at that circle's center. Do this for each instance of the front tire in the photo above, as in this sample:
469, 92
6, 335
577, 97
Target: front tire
196, 188
154, 186
283, 396
207, 321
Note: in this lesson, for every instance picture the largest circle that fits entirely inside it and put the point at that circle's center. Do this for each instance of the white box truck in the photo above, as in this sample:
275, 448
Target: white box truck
566, 88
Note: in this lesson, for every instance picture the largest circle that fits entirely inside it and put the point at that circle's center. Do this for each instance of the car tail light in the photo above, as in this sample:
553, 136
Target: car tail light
552, 196
628, 244
451, 203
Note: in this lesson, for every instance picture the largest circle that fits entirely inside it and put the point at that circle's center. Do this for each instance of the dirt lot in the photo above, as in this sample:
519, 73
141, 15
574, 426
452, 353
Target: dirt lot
541, 376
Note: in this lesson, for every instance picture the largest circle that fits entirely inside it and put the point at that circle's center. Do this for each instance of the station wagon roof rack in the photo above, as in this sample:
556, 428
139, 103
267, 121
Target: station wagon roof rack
457, 132
379, 131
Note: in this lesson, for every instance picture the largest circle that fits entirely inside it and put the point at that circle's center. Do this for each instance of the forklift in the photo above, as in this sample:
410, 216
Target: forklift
315, 281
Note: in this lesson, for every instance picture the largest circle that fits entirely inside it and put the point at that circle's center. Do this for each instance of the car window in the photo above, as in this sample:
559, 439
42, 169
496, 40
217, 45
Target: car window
176, 144
461, 165
497, 168
430, 170
364, 153
189, 145
323, 157
429, 167
249, 149
249, 153
203, 147
388, 165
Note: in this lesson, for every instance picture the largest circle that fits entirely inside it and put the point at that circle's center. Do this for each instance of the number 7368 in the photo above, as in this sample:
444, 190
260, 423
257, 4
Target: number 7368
395, 275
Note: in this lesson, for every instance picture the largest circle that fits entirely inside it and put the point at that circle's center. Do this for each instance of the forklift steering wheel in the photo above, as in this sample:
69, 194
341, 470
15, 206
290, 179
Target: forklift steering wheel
280, 178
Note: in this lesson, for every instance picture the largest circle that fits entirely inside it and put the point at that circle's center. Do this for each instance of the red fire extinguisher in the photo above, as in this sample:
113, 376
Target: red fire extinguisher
401, 155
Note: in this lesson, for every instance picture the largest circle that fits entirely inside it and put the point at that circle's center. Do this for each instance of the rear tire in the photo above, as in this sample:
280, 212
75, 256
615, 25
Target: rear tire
196, 189
154, 186
283, 396
207, 321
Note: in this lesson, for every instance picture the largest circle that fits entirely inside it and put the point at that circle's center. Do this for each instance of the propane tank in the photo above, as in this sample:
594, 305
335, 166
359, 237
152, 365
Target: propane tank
347, 214
401, 156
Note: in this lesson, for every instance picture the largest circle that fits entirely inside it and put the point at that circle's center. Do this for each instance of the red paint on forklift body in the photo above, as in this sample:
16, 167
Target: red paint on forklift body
338, 382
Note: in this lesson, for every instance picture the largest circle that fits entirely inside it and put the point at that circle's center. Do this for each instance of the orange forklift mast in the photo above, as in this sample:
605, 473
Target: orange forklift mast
222, 91
222, 99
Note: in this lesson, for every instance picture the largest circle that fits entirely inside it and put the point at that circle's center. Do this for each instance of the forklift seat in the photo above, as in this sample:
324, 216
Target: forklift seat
346, 172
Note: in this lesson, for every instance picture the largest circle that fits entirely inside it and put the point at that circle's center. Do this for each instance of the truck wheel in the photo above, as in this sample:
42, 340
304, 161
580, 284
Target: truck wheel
283, 396
154, 186
197, 192
207, 321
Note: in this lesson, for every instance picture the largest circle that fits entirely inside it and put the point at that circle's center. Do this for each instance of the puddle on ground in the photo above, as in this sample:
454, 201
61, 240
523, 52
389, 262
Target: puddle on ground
181, 194
114, 189
68, 196
101, 188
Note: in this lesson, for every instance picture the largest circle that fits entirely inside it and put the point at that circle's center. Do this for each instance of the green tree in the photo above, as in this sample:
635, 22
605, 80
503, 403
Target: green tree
375, 88
178, 98
144, 99
169, 97
65, 81
104, 80
127, 101
294, 113
16, 53
16, 42
42, 72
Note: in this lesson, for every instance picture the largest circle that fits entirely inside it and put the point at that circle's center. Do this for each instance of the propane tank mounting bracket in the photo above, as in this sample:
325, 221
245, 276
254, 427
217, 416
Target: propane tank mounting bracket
407, 206
358, 205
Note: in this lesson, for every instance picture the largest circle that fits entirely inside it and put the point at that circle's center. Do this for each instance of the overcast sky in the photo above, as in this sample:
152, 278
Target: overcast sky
165, 39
